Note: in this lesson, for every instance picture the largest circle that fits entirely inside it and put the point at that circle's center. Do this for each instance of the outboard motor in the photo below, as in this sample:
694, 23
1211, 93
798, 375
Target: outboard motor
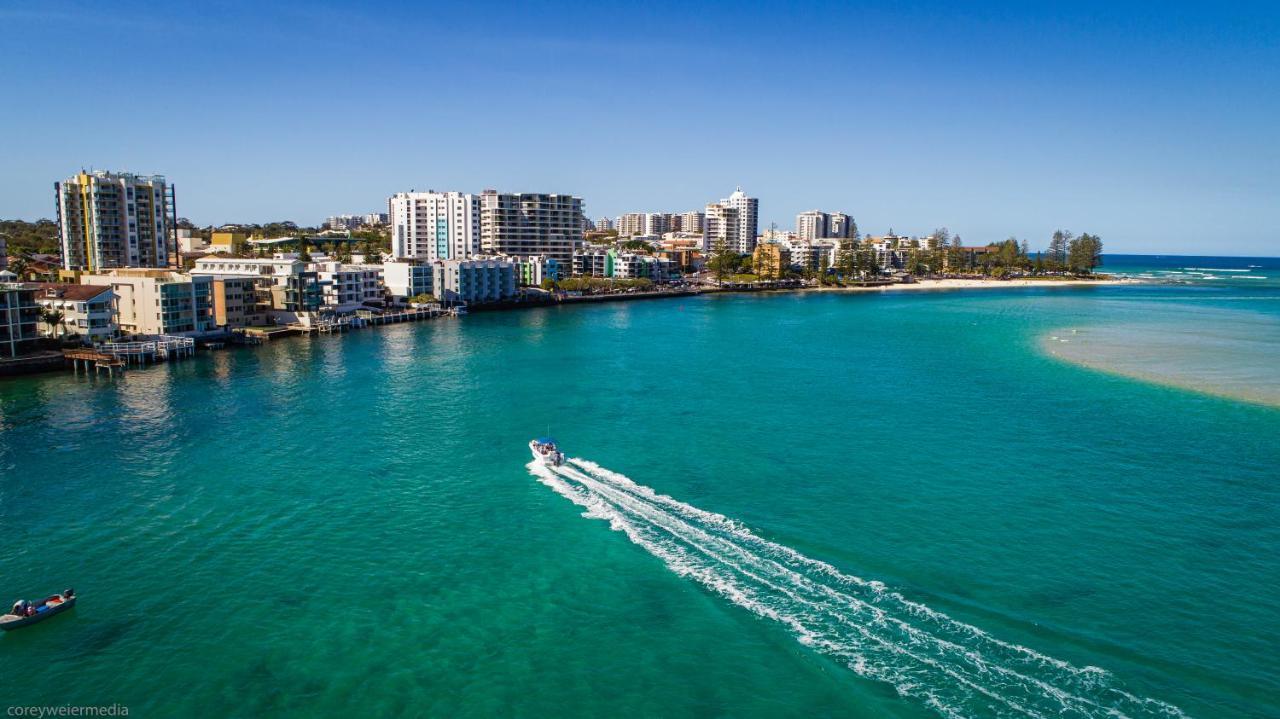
69, 593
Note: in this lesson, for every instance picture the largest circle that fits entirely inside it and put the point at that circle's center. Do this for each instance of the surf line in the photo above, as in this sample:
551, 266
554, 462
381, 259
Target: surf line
954, 668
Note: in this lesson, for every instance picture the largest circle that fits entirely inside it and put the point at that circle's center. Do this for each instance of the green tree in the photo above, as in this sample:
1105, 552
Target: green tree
1056, 255
1084, 253
304, 253
724, 261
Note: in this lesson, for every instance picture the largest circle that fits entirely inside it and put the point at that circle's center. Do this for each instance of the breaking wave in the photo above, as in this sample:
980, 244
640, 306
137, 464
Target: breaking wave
954, 668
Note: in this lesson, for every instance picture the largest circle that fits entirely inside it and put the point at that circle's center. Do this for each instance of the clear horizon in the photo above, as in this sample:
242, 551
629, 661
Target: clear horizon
1153, 128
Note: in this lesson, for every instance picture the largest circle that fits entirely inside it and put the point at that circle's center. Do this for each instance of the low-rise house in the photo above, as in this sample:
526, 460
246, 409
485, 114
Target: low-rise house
159, 302
19, 319
88, 311
474, 281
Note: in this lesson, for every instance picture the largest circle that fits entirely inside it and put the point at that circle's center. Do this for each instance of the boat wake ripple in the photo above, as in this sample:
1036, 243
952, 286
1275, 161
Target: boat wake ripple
956, 669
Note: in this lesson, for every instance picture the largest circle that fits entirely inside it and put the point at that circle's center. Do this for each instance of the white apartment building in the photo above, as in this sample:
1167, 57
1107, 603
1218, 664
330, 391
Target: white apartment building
159, 302
530, 223
656, 223
434, 225
734, 221
605, 224
811, 254
721, 229
630, 224
407, 279
348, 287
294, 290
692, 221
812, 225
87, 310
474, 281
108, 220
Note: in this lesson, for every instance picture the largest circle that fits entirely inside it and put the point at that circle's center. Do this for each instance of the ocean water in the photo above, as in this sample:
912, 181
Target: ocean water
901, 505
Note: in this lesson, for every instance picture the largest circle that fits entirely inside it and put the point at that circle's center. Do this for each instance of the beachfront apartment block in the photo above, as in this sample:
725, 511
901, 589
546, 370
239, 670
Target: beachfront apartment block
19, 319
109, 220
613, 264
434, 225
530, 223
88, 311
240, 302
292, 291
406, 279
345, 287
474, 281
159, 302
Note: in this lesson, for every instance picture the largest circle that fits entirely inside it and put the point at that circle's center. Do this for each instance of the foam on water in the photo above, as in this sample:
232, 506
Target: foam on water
953, 668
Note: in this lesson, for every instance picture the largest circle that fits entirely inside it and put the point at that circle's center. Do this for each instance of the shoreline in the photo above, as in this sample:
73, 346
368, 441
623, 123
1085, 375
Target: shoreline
975, 284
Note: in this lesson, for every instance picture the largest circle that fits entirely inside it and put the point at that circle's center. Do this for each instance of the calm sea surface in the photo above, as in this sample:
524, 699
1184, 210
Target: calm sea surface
903, 505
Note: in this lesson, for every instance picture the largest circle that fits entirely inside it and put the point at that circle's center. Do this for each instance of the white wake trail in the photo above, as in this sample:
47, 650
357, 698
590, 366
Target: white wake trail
952, 667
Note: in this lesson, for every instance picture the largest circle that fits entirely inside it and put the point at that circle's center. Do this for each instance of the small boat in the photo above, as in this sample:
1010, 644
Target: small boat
25, 612
545, 451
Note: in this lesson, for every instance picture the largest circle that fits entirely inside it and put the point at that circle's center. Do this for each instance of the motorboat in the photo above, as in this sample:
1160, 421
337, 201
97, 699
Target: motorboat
544, 450
25, 613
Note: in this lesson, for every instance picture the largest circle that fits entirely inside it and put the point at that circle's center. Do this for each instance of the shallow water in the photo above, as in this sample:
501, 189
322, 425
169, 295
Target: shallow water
348, 523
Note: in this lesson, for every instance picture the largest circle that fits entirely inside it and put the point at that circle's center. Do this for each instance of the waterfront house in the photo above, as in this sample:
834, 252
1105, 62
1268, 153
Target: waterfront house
88, 311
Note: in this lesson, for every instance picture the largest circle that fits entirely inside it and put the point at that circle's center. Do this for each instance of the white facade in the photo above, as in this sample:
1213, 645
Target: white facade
733, 221
407, 279
604, 224
347, 287
656, 223
435, 225
812, 225
721, 229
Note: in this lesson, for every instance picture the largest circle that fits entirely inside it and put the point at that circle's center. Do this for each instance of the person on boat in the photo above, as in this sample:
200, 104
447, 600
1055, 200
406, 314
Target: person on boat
68, 593
18, 608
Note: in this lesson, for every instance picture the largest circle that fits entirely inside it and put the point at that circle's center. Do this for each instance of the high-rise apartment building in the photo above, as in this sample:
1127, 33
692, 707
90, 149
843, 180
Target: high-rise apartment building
812, 225
111, 220
840, 226
523, 224
656, 223
435, 225
631, 224
691, 222
743, 212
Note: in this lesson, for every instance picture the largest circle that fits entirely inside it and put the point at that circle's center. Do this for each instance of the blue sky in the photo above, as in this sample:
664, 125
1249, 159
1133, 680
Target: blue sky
1155, 126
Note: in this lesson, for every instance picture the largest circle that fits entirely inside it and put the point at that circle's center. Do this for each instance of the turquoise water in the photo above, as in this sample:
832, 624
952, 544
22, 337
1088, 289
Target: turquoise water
347, 524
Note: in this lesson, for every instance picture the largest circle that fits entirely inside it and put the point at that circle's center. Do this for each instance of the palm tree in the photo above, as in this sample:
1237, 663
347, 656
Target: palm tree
53, 318
21, 266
